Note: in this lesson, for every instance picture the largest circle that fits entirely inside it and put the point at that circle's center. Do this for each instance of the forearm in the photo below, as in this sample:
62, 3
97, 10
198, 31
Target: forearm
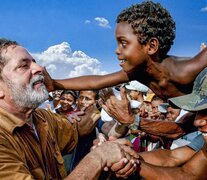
118, 130
148, 171
161, 128
89, 168
91, 81
159, 157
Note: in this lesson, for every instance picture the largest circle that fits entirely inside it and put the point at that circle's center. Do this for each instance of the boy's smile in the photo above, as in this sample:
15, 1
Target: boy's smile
129, 51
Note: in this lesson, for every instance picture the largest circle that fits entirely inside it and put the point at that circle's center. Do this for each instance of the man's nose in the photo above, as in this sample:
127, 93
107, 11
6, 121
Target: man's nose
36, 68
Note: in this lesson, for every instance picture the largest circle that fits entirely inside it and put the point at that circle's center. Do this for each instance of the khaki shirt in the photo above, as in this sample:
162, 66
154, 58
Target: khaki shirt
25, 155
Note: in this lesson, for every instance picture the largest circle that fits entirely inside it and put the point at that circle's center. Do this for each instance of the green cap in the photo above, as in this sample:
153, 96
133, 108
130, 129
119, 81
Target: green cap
197, 100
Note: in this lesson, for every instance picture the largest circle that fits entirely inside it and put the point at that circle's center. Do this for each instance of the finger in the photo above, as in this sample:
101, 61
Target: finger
130, 151
71, 120
126, 171
106, 109
110, 106
79, 113
124, 141
76, 118
119, 165
106, 168
83, 108
112, 138
123, 93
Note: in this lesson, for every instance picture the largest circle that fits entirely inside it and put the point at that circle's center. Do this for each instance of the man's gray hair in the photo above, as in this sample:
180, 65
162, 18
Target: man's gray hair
4, 43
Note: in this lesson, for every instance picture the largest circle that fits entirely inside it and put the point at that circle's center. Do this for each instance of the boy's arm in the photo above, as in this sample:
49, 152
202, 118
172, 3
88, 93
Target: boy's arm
86, 82
185, 71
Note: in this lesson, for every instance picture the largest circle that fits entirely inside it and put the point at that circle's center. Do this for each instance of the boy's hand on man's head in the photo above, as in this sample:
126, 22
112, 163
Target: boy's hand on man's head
48, 80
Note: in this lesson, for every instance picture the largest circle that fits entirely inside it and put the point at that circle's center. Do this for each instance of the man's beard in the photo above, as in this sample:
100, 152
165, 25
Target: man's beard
27, 97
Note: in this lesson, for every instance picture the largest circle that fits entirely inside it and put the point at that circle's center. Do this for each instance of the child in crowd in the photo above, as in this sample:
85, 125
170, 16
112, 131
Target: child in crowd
144, 33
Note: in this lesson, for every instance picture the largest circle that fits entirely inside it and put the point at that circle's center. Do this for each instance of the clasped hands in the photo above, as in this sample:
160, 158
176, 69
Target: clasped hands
117, 155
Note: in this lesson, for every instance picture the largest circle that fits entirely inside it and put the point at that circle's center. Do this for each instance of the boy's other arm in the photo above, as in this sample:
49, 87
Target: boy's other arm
90, 81
185, 71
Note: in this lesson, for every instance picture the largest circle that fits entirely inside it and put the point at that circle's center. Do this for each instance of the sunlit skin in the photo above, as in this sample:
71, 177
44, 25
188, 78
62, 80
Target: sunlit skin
129, 51
20, 68
66, 101
86, 98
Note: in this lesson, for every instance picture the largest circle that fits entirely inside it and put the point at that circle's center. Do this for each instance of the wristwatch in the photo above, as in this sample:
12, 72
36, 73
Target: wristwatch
135, 124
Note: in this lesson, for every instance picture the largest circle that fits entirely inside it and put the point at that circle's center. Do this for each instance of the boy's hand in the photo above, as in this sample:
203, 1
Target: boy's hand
48, 81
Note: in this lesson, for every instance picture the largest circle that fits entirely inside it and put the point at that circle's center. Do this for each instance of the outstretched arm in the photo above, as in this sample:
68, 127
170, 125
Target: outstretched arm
86, 82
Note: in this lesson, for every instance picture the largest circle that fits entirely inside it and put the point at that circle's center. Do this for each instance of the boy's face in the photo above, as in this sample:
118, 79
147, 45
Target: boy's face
129, 51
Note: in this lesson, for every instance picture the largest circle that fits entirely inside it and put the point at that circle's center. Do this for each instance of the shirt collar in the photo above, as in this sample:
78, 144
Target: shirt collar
9, 122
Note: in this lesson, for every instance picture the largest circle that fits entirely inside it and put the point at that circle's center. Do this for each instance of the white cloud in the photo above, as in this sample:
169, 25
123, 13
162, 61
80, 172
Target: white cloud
87, 21
204, 9
103, 22
61, 62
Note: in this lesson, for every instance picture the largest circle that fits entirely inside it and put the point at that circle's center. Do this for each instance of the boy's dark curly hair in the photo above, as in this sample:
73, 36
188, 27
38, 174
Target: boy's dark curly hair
148, 20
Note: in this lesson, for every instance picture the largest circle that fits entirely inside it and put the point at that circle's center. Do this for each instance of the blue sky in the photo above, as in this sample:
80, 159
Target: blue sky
40, 24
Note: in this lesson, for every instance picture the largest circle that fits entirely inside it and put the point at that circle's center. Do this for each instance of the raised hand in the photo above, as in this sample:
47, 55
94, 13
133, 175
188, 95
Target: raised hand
118, 108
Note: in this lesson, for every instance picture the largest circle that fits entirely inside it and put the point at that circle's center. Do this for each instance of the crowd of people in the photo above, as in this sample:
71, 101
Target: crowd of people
148, 120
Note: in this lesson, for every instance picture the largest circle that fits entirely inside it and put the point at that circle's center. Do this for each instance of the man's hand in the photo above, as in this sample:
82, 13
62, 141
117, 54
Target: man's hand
113, 151
127, 165
119, 109
123, 169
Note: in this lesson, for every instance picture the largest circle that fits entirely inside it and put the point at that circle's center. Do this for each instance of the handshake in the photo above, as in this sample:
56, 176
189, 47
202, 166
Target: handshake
116, 155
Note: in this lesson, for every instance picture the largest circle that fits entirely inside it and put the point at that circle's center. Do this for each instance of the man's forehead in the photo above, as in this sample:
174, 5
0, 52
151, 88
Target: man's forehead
16, 51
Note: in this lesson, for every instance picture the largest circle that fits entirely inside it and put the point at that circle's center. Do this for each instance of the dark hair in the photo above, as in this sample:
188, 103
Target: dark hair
96, 92
4, 43
149, 20
72, 93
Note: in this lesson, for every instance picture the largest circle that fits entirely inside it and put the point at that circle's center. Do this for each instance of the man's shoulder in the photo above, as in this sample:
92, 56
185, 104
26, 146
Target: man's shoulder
48, 116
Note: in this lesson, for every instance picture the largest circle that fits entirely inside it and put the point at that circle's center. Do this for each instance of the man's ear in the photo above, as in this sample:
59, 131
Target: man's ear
153, 46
